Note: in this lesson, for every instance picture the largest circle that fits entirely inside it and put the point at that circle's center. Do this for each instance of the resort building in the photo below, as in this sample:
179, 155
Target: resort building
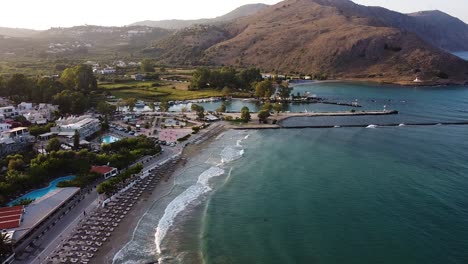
8, 111
85, 125
25, 107
4, 127
39, 114
26, 224
105, 171
35, 118
15, 140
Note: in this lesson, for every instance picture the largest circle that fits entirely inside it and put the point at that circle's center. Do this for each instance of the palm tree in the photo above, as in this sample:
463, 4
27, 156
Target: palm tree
5, 245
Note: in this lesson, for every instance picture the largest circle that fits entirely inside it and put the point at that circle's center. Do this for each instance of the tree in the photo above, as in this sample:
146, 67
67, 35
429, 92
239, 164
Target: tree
267, 107
284, 91
264, 89
184, 109
200, 110
164, 106
71, 102
226, 91
152, 106
105, 109
15, 162
5, 246
45, 90
105, 124
53, 145
249, 76
147, 65
263, 116
76, 140
131, 102
80, 78
18, 88
278, 108
245, 114
221, 108
200, 79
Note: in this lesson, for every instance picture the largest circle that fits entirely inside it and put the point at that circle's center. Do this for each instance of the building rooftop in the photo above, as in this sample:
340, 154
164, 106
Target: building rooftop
40, 209
10, 217
17, 129
102, 169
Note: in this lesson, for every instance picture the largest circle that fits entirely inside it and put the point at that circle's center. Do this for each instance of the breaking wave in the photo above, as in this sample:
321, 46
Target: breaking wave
182, 201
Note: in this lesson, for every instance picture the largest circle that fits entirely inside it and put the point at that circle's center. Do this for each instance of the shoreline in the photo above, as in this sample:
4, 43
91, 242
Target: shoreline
124, 233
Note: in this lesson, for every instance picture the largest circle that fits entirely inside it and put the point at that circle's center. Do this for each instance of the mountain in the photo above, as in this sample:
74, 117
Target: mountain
17, 32
242, 11
334, 37
442, 30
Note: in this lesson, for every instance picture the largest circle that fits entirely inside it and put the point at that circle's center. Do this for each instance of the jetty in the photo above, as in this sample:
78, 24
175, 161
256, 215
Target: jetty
255, 124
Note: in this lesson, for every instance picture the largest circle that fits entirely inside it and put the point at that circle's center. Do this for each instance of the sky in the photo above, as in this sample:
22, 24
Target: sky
43, 14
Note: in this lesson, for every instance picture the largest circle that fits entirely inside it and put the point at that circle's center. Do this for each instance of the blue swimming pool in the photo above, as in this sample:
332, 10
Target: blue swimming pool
109, 139
36, 194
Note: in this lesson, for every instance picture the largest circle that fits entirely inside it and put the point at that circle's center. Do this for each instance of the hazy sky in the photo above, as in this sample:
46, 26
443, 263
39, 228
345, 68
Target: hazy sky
43, 14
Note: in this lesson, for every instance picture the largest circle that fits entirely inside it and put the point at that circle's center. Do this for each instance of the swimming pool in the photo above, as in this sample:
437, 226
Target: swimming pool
109, 139
36, 194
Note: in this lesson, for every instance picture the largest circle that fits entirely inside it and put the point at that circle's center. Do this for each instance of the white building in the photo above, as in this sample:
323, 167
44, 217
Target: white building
8, 111
4, 127
24, 107
14, 140
85, 125
48, 111
35, 118
106, 71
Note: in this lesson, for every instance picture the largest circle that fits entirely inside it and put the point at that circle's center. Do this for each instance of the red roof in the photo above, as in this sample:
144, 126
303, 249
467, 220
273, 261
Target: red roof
10, 217
102, 169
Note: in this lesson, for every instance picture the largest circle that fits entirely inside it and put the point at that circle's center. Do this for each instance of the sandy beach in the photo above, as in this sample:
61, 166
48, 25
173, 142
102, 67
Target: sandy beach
124, 232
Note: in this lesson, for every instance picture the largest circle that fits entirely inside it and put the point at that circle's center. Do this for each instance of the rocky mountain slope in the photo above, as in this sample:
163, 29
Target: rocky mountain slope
333, 37
242, 11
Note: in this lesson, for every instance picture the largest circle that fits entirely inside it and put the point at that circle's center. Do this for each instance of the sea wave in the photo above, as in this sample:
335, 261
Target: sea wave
182, 201
229, 154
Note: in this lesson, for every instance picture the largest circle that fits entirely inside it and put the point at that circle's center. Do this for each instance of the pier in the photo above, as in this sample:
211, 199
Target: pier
254, 124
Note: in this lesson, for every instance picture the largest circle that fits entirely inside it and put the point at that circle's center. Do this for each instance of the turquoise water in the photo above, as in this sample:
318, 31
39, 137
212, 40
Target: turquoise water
37, 194
390, 195
342, 195
109, 139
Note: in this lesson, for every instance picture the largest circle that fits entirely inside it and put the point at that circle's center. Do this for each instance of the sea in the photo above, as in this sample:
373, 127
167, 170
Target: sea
373, 194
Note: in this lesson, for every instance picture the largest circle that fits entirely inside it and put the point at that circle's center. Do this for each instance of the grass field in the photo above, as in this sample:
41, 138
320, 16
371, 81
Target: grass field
165, 91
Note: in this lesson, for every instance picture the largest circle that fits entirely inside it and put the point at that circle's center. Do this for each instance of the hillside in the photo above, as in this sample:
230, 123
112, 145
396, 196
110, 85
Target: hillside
333, 37
242, 11
442, 30
81, 41
17, 32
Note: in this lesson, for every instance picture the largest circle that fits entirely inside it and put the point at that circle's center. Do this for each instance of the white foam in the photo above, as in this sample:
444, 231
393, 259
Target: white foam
182, 201
401, 125
238, 143
246, 137
230, 154
372, 126
220, 136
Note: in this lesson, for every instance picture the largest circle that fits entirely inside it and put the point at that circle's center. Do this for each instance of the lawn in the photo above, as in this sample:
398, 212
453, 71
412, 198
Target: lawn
166, 91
